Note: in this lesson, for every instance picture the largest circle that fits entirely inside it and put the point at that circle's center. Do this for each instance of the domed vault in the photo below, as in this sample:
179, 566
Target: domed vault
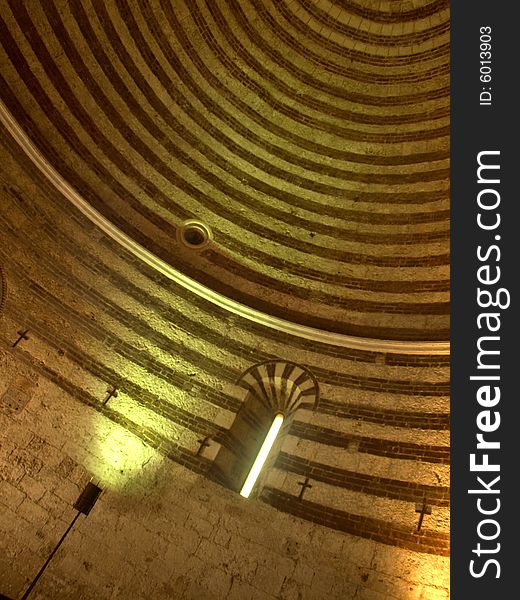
213, 211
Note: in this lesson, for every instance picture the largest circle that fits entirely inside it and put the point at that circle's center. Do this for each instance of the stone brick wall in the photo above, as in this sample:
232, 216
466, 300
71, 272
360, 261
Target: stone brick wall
375, 444
160, 530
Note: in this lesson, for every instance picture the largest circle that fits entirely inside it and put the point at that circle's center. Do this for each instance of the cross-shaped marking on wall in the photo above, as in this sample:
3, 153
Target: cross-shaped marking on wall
112, 393
23, 336
424, 509
305, 484
204, 443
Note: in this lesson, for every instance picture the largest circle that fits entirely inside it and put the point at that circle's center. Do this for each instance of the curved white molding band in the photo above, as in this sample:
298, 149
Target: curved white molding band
310, 333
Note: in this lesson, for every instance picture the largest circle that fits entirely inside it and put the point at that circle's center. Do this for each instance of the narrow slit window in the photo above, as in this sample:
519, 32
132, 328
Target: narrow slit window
262, 455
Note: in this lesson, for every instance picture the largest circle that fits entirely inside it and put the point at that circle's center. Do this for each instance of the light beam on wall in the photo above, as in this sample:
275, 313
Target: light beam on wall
116, 454
262, 455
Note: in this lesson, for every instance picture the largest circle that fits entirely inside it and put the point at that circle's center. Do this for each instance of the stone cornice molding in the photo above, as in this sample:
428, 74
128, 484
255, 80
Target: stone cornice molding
433, 348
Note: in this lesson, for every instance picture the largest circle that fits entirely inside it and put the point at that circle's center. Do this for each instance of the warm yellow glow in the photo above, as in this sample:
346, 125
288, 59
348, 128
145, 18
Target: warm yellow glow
117, 455
262, 456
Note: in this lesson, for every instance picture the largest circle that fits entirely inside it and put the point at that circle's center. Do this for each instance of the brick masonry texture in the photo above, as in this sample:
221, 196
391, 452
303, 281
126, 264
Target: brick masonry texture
307, 257
312, 137
47, 340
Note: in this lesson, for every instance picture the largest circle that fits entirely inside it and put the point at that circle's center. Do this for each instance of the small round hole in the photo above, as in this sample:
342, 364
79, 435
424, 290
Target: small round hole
194, 234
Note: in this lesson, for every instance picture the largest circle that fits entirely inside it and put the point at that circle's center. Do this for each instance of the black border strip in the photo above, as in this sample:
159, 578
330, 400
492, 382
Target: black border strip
476, 128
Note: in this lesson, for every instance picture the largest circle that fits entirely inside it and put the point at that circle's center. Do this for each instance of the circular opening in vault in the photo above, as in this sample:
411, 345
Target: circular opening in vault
195, 234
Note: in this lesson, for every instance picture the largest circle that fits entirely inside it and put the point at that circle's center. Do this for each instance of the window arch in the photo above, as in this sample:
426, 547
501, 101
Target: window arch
267, 389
